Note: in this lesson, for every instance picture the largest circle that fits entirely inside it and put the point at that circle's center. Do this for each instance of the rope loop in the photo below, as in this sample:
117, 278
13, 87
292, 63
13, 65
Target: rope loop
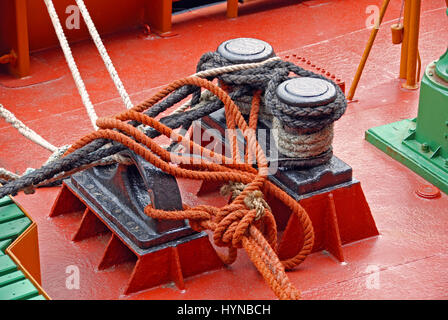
309, 119
247, 221
256, 202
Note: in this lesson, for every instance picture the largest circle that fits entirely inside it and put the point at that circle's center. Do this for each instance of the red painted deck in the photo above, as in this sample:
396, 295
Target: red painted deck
410, 255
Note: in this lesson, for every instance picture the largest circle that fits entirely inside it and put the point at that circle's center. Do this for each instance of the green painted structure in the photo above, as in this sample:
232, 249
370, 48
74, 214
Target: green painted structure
13, 283
422, 143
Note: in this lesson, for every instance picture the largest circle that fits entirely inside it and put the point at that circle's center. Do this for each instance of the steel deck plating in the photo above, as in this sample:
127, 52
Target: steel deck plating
408, 260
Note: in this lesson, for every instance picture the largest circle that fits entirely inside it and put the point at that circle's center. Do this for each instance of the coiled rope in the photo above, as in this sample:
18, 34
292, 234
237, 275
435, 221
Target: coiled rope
247, 222
237, 79
309, 143
6, 175
257, 78
307, 119
244, 223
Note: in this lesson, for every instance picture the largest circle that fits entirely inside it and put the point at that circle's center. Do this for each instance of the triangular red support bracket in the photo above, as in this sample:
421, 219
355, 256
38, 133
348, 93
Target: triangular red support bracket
329, 239
176, 269
333, 242
339, 216
172, 261
116, 253
66, 202
180, 261
90, 226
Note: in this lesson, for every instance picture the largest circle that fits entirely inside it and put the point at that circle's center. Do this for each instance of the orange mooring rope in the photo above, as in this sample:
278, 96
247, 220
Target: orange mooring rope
245, 222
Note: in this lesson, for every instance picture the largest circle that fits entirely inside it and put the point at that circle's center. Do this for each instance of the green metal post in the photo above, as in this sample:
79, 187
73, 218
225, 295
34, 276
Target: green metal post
422, 143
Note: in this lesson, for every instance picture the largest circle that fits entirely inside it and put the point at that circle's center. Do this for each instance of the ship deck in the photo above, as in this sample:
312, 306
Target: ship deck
410, 255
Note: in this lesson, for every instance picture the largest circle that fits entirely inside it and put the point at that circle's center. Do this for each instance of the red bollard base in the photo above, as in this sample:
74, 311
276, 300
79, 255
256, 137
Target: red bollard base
172, 261
339, 214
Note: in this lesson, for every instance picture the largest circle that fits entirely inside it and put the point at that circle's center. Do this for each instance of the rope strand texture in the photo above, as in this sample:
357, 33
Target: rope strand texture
104, 55
236, 225
24, 130
307, 119
250, 79
71, 62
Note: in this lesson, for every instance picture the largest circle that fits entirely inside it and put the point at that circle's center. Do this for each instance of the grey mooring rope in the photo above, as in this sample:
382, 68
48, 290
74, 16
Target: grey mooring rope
304, 132
243, 82
256, 79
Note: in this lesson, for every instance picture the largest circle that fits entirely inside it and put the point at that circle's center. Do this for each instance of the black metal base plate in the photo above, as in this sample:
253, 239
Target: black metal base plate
217, 121
299, 181
118, 195
111, 223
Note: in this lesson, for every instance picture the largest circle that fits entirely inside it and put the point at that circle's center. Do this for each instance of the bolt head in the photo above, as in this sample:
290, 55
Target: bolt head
425, 147
428, 191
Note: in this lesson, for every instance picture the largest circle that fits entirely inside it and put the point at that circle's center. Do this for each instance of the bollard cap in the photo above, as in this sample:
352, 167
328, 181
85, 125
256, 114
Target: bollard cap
245, 50
306, 92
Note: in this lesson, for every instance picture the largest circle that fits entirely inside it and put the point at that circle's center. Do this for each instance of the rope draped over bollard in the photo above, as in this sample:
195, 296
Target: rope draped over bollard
256, 78
247, 222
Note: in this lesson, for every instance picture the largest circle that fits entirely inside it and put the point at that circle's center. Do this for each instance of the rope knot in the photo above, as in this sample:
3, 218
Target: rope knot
233, 221
255, 201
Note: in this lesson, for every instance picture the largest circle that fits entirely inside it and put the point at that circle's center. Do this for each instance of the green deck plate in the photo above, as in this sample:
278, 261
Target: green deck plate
6, 265
23, 289
39, 297
5, 200
13, 283
13, 229
389, 137
4, 244
11, 278
10, 212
